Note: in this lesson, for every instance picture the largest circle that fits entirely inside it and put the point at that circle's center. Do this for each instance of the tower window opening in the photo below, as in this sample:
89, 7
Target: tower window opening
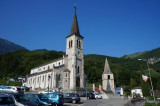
108, 76
71, 43
66, 74
78, 70
77, 43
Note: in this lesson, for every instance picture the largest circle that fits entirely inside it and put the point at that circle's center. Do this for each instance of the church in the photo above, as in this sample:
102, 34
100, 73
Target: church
66, 73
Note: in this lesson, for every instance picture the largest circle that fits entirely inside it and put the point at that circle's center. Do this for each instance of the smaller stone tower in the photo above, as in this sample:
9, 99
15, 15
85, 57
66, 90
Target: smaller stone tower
108, 78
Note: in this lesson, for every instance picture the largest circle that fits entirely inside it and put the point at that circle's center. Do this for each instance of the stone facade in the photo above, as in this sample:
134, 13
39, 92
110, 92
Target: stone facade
108, 78
66, 73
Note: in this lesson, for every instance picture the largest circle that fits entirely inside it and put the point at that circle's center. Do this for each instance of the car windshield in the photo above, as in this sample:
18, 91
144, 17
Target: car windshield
19, 98
42, 97
51, 95
6, 100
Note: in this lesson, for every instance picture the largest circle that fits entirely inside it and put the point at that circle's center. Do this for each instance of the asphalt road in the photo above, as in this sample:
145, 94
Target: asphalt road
100, 102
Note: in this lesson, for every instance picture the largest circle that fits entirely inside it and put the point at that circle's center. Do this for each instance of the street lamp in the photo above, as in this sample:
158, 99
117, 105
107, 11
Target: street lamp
149, 77
48, 82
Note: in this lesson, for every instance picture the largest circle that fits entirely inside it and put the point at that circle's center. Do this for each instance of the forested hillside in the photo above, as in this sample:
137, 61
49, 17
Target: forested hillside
127, 72
7, 46
20, 62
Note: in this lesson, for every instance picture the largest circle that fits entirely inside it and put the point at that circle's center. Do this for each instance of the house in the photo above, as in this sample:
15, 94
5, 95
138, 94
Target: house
137, 91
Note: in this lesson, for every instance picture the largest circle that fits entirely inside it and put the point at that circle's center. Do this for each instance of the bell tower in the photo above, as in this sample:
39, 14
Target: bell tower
74, 51
108, 78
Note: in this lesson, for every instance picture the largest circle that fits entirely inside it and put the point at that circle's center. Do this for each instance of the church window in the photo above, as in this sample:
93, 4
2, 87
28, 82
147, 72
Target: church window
108, 76
71, 43
59, 77
66, 74
43, 78
48, 68
66, 80
78, 70
59, 63
79, 44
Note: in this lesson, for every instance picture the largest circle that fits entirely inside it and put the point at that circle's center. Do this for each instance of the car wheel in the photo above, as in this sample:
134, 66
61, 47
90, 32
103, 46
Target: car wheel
56, 104
74, 101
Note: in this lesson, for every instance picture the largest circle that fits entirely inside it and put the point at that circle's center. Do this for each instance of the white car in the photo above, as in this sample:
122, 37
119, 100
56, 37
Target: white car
10, 89
46, 91
98, 96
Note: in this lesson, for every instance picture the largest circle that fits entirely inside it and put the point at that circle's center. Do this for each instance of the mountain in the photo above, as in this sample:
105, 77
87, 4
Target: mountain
7, 46
152, 56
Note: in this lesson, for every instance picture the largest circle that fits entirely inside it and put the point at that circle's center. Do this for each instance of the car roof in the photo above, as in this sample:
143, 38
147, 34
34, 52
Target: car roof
4, 95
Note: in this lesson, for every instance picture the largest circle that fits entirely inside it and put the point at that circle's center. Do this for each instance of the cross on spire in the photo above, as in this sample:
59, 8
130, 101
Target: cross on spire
75, 7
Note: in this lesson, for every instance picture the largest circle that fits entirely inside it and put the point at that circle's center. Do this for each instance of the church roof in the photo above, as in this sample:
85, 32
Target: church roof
75, 27
107, 69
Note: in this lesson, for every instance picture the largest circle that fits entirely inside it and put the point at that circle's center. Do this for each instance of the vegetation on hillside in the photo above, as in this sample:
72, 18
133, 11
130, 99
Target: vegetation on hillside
127, 72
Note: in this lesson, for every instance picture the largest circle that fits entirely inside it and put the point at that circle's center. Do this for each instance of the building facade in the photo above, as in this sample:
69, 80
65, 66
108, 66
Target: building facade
66, 73
108, 78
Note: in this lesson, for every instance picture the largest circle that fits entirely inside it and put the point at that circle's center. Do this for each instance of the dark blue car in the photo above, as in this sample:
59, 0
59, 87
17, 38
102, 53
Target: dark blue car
40, 99
55, 97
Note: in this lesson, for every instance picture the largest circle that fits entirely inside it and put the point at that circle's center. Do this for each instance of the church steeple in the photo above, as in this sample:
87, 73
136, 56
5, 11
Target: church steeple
107, 69
75, 27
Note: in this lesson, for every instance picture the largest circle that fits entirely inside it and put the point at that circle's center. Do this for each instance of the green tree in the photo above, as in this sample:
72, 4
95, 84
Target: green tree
145, 88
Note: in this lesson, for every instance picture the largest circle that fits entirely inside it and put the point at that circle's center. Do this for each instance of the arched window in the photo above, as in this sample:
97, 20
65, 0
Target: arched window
66, 74
59, 77
78, 70
59, 63
108, 76
43, 78
71, 43
77, 43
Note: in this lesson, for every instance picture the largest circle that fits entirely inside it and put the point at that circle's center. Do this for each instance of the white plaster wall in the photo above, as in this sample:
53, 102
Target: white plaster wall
137, 91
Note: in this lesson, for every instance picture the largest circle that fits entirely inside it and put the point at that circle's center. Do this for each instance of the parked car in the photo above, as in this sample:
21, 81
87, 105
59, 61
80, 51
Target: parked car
71, 97
90, 96
6, 100
97, 96
21, 101
10, 89
40, 99
46, 91
24, 88
55, 97
1, 85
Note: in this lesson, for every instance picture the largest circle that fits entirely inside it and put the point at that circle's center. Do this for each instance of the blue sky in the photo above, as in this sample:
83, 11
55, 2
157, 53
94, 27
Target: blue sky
110, 27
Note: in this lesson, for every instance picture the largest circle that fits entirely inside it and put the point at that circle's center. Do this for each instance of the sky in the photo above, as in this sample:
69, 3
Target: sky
110, 27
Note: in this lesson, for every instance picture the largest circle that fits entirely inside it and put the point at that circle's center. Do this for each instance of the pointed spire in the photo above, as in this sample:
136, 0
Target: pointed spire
75, 27
107, 68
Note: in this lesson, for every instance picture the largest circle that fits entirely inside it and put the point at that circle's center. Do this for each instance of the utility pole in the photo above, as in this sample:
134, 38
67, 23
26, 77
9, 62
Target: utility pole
148, 68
